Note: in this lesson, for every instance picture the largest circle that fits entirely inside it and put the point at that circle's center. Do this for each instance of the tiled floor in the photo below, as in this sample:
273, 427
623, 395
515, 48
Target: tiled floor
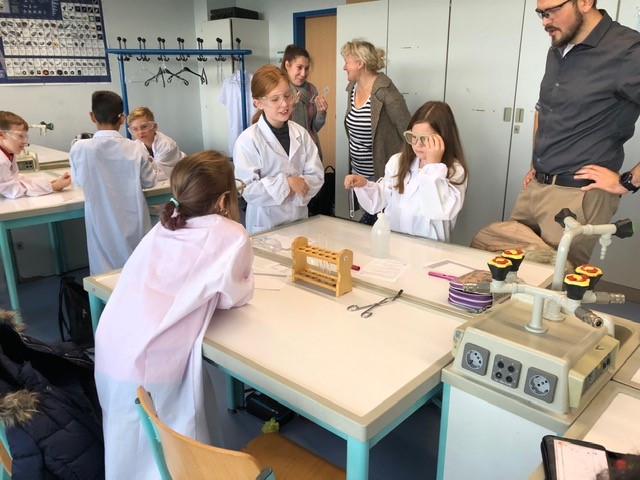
409, 452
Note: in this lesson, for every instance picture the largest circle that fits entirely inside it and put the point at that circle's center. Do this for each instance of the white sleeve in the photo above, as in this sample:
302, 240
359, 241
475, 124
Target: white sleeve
312, 171
148, 174
14, 185
263, 191
441, 199
375, 196
237, 283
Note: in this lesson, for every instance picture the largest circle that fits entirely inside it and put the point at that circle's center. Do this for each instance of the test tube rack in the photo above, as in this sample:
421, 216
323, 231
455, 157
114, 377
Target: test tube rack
340, 282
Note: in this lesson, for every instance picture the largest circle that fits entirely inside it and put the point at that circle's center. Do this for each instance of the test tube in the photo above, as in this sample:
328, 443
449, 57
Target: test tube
352, 203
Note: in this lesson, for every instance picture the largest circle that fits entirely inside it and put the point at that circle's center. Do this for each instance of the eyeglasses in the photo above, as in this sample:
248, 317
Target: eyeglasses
414, 138
551, 12
15, 135
276, 100
143, 127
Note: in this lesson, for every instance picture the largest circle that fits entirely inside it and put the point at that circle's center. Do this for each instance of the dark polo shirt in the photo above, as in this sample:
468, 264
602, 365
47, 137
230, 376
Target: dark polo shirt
589, 101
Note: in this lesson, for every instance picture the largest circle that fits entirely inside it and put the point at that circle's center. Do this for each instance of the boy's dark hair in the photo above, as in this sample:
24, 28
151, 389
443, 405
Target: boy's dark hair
106, 107
10, 119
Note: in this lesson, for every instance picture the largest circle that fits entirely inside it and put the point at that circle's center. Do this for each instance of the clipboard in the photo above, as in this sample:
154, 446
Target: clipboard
570, 459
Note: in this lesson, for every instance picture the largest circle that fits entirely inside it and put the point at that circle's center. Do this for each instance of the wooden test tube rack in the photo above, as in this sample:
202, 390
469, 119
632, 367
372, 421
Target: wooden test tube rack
340, 282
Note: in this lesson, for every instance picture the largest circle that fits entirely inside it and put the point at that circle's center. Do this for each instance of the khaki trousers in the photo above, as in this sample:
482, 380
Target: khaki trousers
538, 204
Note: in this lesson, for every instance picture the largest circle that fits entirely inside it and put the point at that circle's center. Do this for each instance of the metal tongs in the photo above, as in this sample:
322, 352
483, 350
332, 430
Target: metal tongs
367, 313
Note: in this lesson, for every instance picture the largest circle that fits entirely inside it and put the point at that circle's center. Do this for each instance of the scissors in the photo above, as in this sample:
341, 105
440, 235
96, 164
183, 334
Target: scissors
367, 313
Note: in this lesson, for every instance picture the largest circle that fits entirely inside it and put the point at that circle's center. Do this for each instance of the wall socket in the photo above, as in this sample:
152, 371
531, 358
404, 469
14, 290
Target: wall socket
475, 359
506, 371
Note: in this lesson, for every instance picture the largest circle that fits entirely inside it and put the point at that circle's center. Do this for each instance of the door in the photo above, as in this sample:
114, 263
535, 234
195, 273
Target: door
320, 42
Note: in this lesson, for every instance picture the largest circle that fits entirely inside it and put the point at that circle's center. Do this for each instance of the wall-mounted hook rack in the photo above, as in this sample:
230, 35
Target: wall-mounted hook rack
181, 57
142, 42
162, 57
200, 57
219, 58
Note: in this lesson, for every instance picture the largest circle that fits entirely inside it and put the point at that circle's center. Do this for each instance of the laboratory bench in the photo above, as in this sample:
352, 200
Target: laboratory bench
508, 387
48, 210
360, 378
357, 377
36, 157
412, 257
610, 420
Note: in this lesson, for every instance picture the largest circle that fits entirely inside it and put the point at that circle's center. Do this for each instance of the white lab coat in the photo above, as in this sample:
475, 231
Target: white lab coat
264, 166
14, 185
165, 155
151, 332
112, 171
429, 204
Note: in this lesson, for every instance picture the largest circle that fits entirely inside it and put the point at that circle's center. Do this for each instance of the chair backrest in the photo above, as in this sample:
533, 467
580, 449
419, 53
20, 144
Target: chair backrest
6, 463
187, 458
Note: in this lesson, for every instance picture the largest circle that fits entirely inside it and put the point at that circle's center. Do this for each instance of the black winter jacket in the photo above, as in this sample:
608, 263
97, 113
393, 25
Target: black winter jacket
49, 407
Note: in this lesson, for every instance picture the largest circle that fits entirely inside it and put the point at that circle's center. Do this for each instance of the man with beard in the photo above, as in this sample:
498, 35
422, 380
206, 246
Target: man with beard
588, 105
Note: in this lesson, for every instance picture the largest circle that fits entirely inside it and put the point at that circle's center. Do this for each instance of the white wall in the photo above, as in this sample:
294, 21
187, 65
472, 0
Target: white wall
177, 108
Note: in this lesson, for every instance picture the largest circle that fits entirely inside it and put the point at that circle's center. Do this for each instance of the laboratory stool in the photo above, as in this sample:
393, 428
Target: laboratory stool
266, 457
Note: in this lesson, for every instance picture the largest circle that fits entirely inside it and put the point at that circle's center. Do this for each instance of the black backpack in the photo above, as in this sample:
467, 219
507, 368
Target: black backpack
74, 314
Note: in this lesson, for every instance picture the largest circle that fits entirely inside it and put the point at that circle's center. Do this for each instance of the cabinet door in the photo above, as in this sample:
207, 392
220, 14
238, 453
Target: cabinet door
417, 49
367, 20
621, 262
484, 48
533, 57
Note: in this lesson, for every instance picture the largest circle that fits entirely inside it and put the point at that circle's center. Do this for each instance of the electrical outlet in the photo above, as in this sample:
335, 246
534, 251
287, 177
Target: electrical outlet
506, 371
540, 384
475, 359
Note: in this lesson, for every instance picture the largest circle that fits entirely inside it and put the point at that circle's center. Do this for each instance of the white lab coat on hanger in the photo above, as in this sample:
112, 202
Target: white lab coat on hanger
112, 171
429, 204
166, 155
151, 332
264, 166
14, 185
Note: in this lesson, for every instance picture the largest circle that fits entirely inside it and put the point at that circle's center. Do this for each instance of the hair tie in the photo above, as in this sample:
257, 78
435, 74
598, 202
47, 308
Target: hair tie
174, 201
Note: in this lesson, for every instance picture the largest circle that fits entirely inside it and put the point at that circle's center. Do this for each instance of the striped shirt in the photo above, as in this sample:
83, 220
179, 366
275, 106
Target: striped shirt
360, 138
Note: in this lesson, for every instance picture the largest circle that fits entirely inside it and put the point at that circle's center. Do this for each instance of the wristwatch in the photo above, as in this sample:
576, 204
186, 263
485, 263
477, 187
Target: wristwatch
625, 181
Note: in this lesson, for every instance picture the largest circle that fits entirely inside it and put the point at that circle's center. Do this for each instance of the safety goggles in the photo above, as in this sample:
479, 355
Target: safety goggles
142, 128
415, 138
16, 135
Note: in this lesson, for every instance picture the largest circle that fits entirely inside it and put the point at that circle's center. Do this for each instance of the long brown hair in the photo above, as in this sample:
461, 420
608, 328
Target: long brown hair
197, 183
440, 117
265, 80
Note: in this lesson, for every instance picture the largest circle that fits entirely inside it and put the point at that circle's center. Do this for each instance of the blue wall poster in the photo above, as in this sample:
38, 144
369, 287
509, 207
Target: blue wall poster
52, 41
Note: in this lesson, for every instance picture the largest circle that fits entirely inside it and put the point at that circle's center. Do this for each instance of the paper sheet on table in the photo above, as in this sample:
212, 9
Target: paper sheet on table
617, 430
577, 461
449, 267
269, 282
386, 270
272, 268
636, 377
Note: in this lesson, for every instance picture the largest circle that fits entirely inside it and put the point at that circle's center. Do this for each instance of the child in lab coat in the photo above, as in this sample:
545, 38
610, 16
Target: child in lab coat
275, 157
14, 136
423, 187
112, 170
196, 260
163, 149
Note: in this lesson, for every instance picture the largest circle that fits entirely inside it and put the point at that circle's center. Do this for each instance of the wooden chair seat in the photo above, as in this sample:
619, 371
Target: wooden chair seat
179, 457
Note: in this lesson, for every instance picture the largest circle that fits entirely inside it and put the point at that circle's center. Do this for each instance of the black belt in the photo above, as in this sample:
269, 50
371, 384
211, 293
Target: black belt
560, 180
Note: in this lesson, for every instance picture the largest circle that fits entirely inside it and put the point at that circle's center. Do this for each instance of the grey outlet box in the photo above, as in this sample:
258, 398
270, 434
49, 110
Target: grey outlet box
475, 359
540, 384
506, 371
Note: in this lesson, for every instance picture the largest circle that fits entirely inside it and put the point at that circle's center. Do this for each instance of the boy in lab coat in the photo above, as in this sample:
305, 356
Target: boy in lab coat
163, 149
112, 170
14, 136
